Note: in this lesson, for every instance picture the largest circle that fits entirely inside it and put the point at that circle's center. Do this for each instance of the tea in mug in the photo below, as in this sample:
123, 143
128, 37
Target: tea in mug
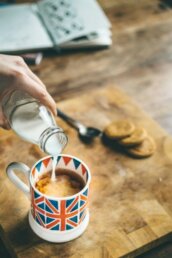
67, 183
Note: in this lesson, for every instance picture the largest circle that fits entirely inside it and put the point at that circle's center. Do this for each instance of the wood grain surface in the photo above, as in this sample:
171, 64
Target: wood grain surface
130, 202
140, 61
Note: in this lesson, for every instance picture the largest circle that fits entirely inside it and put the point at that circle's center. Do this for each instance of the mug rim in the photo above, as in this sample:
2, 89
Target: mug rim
65, 197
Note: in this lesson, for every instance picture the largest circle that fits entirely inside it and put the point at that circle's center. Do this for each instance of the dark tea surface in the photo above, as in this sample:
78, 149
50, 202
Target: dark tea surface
67, 183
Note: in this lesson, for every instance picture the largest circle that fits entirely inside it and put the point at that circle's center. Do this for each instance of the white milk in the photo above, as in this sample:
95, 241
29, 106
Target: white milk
29, 121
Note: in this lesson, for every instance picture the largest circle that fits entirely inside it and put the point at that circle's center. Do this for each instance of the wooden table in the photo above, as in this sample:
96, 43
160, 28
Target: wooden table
140, 61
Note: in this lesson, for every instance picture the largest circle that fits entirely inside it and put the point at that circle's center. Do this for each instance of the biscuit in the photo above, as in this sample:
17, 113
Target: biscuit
145, 149
119, 129
135, 138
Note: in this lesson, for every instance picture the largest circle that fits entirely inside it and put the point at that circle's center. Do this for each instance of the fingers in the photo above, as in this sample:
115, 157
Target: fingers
6, 126
24, 69
32, 87
35, 87
17, 75
35, 78
20, 62
3, 121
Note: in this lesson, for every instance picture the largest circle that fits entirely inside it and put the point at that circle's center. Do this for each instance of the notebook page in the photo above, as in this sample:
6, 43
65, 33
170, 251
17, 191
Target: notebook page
21, 29
66, 20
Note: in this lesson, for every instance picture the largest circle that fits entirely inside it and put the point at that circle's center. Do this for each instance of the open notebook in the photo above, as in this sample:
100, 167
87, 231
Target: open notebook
55, 24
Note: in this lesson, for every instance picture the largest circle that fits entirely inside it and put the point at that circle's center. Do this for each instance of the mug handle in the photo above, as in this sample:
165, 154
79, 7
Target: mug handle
16, 180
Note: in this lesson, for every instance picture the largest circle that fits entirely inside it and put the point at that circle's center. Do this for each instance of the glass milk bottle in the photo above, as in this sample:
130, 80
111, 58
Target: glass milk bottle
33, 122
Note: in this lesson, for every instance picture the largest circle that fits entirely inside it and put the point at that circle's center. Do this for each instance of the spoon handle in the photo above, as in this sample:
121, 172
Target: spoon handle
69, 120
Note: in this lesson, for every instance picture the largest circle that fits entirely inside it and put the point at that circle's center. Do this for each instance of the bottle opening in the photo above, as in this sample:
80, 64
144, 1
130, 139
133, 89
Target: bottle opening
53, 140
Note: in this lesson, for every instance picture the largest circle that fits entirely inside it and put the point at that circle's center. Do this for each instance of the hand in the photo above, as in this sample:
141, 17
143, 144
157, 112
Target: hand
16, 75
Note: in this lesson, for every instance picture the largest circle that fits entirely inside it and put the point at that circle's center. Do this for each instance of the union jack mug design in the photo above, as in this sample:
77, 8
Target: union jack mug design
55, 219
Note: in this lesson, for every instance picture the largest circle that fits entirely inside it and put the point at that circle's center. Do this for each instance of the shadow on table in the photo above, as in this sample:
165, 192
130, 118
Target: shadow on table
165, 4
22, 236
60, 52
162, 251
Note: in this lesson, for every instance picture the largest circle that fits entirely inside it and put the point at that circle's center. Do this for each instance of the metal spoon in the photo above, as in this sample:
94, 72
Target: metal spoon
85, 133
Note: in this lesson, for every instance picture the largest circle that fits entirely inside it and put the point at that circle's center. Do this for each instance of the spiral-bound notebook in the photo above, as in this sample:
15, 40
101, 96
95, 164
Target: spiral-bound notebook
58, 24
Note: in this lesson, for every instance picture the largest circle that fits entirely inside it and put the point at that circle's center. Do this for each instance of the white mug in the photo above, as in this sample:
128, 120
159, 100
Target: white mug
55, 219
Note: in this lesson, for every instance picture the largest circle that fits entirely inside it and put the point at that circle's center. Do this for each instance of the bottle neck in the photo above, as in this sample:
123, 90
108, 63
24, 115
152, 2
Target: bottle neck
53, 140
